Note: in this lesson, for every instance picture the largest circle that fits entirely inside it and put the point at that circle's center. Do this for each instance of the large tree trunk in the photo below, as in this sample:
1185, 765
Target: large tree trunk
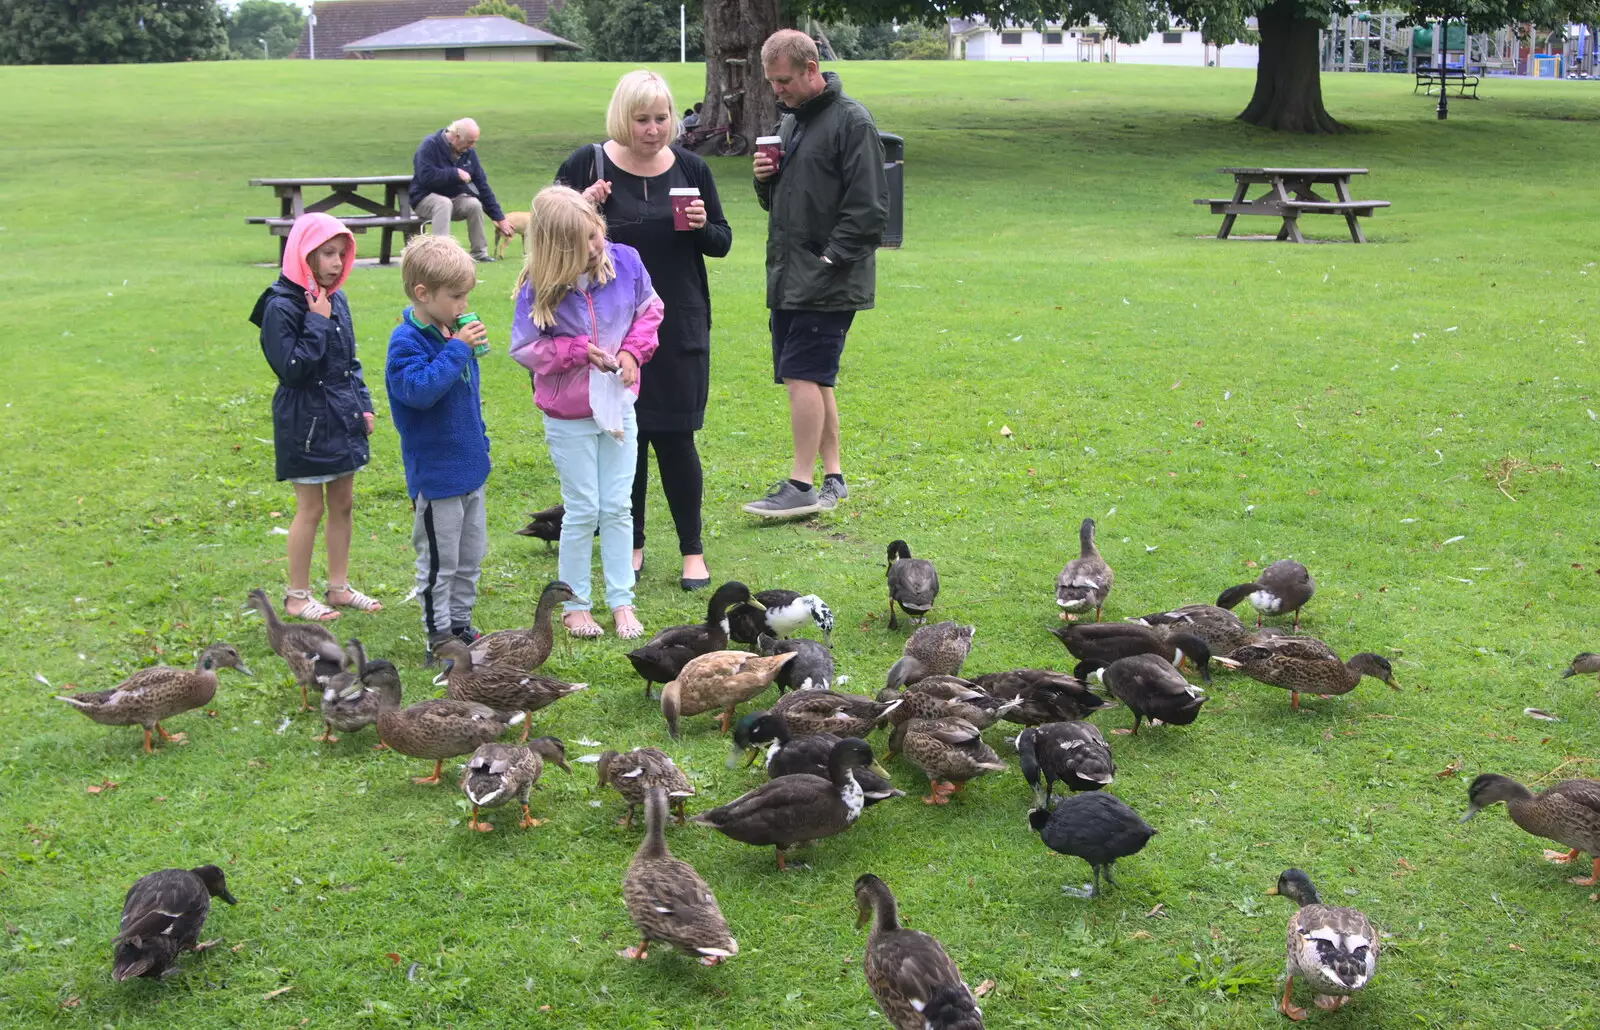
734, 32
1288, 95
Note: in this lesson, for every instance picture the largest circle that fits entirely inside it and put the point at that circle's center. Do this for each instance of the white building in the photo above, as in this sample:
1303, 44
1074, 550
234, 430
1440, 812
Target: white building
975, 40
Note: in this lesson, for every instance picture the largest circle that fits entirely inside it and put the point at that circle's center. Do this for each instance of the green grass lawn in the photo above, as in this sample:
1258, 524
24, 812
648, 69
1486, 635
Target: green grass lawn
1214, 405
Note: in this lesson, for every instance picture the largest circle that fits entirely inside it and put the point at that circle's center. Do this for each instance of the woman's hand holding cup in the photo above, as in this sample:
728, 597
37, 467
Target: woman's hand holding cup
603, 361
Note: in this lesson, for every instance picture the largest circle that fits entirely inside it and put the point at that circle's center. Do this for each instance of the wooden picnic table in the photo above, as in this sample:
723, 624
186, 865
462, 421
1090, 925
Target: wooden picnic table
393, 215
1290, 193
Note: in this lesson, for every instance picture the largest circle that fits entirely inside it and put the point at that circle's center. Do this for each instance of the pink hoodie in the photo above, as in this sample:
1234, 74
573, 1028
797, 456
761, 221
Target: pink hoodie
307, 234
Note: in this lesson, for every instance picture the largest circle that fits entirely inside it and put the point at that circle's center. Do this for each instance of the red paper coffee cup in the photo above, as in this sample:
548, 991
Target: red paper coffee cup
682, 197
771, 146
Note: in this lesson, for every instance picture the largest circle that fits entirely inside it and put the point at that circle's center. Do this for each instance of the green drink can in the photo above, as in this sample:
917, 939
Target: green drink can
467, 319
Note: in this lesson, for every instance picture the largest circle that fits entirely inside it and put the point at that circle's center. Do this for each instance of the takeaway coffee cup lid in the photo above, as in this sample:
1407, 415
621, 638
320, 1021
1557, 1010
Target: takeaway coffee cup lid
684, 191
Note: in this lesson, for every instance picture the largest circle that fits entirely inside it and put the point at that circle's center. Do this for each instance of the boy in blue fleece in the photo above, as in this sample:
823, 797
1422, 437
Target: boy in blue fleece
432, 379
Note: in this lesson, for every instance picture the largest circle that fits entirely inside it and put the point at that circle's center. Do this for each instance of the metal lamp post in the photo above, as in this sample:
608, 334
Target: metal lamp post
265, 53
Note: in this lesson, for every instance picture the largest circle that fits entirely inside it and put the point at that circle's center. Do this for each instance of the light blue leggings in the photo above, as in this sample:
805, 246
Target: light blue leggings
597, 488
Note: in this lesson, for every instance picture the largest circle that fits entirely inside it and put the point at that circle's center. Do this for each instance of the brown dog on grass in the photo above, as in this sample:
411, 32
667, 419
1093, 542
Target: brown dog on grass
519, 222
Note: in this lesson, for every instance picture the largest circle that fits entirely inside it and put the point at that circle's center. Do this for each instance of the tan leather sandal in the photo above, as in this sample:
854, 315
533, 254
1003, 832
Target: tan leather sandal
311, 609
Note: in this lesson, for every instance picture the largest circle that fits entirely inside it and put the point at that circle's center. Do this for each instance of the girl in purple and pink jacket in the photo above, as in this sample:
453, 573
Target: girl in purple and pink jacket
584, 322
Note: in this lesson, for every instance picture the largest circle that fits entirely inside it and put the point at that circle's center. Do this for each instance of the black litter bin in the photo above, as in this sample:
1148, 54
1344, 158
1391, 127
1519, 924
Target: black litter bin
894, 166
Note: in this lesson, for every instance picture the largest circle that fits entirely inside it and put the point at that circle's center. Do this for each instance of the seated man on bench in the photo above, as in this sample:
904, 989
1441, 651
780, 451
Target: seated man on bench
448, 183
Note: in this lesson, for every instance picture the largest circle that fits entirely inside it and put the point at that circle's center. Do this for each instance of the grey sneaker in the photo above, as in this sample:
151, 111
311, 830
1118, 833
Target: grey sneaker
785, 501
833, 491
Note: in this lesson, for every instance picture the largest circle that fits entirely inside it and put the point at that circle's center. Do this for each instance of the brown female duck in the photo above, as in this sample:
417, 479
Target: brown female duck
936, 650
633, 773
1567, 812
526, 649
823, 711
505, 688
1305, 665
914, 981
350, 699
438, 728
949, 752
667, 900
157, 693
721, 679
496, 773
300, 644
1334, 949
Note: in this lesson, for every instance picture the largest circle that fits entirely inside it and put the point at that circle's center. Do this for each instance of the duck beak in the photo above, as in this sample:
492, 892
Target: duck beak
1569, 673
1472, 810
740, 754
565, 768
1394, 684
228, 897
874, 767
1272, 891
861, 917
244, 670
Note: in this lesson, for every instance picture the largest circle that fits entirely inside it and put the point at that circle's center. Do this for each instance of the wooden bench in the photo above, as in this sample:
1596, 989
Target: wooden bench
392, 215
1429, 78
1289, 195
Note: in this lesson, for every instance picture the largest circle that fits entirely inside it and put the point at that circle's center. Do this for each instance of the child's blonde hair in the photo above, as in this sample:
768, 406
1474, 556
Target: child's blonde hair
435, 262
635, 92
560, 222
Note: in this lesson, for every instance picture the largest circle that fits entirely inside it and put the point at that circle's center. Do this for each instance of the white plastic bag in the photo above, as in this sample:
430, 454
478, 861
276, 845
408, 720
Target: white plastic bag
609, 400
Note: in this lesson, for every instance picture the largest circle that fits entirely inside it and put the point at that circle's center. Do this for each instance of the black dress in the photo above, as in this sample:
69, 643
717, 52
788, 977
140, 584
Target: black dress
673, 389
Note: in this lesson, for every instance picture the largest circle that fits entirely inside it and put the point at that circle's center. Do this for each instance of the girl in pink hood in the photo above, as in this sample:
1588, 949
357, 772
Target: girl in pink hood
321, 413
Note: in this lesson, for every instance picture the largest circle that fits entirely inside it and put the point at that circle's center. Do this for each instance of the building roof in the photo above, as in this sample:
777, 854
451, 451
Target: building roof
461, 33
344, 21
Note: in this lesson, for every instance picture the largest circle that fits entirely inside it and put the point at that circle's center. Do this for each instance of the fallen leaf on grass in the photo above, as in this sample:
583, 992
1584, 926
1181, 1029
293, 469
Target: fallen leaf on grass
274, 514
1141, 935
544, 1008
95, 788
1406, 866
238, 947
159, 797
280, 991
72, 1002
1449, 770
1157, 911
1517, 947
392, 957
983, 988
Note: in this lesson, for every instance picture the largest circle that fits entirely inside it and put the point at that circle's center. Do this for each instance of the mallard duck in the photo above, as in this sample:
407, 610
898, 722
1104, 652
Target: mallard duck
1305, 665
1567, 812
666, 898
949, 752
1152, 689
497, 772
545, 525
350, 700
913, 584
505, 688
661, 658
1096, 827
438, 728
1045, 695
157, 693
812, 666
1585, 664
936, 650
823, 711
1073, 753
1333, 949
1101, 643
916, 984
778, 613
1218, 627
1284, 586
1085, 581
788, 754
525, 649
721, 679
300, 644
163, 915
797, 809
632, 773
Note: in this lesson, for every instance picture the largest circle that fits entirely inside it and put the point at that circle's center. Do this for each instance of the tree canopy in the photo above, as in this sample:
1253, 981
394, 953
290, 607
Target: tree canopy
500, 7
110, 31
276, 22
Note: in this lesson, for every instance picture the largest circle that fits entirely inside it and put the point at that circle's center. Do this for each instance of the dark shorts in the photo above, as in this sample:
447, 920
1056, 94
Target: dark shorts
807, 345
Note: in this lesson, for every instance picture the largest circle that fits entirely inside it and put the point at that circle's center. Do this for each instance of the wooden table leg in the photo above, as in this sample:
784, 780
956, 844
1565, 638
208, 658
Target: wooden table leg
1291, 229
1341, 189
1227, 220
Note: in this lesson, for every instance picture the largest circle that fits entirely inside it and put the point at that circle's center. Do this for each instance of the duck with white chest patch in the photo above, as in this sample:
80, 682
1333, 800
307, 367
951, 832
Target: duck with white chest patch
785, 612
1333, 949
